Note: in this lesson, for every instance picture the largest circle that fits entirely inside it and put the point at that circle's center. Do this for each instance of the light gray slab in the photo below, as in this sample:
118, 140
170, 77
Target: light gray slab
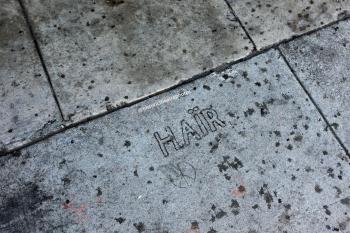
322, 63
271, 21
263, 163
27, 106
109, 52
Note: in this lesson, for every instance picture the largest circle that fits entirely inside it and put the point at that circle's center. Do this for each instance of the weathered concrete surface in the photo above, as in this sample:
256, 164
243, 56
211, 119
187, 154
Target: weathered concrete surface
260, 160
26, 103
322, 63
107, 52
271, 21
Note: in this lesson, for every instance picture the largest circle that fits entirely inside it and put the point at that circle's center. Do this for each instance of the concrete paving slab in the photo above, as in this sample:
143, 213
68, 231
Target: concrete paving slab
240, 151
322, 63
27, 105
271, 21
108, 52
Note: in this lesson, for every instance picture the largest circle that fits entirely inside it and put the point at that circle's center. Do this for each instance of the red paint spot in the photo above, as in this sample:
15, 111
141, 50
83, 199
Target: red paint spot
239, 191
67, 205
194, 228
79, 213
81, 209
192, 231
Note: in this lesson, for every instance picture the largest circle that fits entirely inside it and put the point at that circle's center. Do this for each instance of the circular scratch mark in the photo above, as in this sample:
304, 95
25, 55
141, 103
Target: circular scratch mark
182, 174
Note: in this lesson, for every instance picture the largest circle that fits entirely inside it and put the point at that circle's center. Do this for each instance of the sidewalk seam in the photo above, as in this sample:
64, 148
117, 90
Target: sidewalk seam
39, 52
314, 102
217, 69
241, 24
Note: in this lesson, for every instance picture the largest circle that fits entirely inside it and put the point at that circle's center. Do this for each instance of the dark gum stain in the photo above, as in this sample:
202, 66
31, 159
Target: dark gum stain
114, 3
21, 210
125, 22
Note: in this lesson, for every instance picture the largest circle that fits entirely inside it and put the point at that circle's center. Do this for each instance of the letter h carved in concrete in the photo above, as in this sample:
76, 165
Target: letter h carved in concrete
169, 139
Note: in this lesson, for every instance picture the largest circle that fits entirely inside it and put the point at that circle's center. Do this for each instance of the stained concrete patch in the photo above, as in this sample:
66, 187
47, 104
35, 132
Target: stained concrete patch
26, 102
108, 52
322, 63
243, 151
271, 21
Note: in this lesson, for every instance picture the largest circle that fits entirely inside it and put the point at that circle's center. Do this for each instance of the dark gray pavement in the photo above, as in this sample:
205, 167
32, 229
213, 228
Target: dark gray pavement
259, 145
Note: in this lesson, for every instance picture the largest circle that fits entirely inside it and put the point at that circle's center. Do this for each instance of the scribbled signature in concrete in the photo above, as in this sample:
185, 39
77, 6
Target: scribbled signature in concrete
203, 122
182, 174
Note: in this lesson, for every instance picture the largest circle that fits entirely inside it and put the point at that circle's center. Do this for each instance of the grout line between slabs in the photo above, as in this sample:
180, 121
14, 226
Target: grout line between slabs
218, 69
129, 104
241, 24
37, 47
294, 37
314, 103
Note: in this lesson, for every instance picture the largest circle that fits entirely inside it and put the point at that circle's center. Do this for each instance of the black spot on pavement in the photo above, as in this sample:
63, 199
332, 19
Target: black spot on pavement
140, 227
120, 220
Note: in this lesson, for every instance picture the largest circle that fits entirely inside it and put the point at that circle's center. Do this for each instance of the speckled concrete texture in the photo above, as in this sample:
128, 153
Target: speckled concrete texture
240, 151
321, 61
271, 21
27, 106
107, 52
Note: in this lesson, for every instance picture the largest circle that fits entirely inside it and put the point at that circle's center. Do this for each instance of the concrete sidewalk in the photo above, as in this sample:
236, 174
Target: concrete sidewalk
105, 54
258, 142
